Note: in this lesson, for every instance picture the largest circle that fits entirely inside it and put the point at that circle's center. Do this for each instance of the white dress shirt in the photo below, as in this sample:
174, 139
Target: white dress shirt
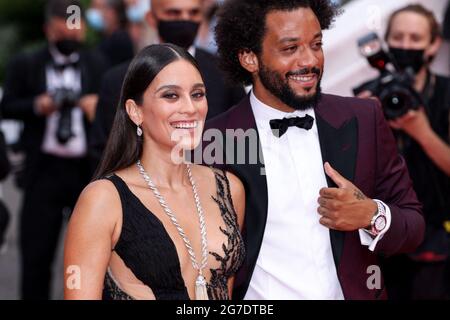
295, 260
69, 78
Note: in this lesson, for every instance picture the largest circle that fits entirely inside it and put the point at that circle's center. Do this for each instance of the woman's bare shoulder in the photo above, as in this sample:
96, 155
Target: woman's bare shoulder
236, 186
99, 191
99, 201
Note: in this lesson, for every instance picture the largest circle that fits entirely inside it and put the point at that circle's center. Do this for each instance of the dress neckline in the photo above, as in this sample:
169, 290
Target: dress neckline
163, 228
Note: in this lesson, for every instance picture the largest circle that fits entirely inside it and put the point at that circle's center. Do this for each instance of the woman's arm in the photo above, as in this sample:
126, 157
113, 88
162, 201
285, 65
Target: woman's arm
438, 151
238, 197
90, 237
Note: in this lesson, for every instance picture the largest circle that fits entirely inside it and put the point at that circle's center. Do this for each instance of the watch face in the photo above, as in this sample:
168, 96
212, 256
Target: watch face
380, 223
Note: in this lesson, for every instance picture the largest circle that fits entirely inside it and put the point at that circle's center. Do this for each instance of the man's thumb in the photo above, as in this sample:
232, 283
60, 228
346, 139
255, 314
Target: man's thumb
340, 181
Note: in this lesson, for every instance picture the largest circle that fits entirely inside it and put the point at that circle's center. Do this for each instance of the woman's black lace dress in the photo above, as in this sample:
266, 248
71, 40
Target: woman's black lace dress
148, 251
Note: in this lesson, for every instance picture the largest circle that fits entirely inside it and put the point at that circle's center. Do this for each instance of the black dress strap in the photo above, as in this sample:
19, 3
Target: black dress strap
146, 248
120, 185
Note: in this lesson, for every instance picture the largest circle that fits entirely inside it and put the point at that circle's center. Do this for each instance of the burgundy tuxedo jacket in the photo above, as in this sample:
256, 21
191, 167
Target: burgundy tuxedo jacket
356, 140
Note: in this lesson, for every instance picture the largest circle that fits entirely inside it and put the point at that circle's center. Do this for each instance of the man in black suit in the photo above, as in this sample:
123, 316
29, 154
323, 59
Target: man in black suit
177, 22
54, 92
326, 191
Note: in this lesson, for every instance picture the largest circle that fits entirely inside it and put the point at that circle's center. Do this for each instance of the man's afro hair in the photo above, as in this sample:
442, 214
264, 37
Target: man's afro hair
241, 26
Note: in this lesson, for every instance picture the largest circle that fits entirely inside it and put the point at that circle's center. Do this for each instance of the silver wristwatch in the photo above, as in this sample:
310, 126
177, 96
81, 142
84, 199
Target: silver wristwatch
379, 220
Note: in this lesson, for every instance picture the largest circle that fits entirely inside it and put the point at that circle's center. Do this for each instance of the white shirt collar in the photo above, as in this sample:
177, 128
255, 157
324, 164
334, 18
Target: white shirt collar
192, 51
264, 113
59, 58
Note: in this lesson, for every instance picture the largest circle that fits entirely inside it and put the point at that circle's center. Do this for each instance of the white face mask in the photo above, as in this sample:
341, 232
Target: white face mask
136, 12
95, 19
337, 2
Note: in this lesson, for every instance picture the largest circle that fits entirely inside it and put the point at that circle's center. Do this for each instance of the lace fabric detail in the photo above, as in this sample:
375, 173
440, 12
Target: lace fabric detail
148, 251
111, 291
234, 251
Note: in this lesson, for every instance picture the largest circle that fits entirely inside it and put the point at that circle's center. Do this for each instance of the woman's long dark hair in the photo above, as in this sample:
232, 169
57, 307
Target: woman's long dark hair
124, 147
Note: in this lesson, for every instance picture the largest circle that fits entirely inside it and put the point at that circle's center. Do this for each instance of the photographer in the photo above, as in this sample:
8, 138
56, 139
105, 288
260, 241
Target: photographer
53, 91
423, 136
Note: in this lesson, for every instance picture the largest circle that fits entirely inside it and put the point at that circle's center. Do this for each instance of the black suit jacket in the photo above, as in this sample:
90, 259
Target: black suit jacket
221, 97
25, 80
356, 141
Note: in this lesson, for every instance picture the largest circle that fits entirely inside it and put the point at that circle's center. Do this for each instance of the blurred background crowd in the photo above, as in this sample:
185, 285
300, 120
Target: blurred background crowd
59, 88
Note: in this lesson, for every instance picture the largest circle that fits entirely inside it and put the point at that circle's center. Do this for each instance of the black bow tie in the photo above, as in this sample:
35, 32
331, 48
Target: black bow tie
280, 126
62, 67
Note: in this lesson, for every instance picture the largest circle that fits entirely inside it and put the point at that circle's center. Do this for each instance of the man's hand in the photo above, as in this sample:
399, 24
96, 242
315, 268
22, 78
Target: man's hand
344, 208
44, 105
415, 123
88, 104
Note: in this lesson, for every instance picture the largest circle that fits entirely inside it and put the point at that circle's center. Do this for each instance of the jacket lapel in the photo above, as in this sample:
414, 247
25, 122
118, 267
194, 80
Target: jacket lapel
40, 78
338, 136
252, 173
85, 78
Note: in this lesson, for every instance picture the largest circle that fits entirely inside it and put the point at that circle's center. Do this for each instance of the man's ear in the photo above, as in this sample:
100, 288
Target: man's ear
134, 112
249, 60
433, 49
48, 31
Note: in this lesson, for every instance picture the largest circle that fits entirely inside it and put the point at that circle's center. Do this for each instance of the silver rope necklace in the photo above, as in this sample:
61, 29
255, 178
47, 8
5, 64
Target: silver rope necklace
201, 292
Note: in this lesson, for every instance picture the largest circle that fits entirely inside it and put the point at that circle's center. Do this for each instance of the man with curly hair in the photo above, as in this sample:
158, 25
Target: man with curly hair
330, 193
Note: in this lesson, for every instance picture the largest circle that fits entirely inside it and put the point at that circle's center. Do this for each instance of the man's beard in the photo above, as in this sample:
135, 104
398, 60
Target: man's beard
280, 88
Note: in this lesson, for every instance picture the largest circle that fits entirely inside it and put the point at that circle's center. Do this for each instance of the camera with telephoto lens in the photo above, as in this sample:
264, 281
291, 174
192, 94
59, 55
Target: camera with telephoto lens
393, 87
65, 100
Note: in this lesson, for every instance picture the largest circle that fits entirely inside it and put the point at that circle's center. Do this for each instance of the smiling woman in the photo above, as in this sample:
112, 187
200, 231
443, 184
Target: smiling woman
151, 226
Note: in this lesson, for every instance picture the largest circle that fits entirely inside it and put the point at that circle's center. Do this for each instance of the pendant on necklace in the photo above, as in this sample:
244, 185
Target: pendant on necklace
201, 292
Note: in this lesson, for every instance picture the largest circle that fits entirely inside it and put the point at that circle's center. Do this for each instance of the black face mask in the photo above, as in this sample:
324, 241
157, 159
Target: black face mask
67, 46
408, 58
179, 32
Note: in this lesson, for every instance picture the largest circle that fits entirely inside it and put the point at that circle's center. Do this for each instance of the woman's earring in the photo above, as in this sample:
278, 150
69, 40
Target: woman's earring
139, 131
